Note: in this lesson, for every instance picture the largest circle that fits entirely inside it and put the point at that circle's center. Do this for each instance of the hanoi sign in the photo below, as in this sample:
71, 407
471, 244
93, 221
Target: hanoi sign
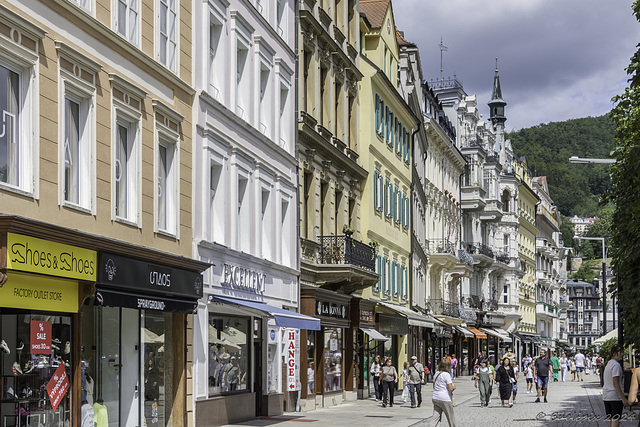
327, 309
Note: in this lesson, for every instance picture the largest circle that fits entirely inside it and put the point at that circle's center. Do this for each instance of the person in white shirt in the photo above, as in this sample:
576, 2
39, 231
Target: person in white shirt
563, 367
594, 363
443, 388
579, 358
613, 389
529, 376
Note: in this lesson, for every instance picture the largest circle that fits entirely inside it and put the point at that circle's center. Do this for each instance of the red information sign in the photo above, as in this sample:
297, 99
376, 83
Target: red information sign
40, 337
58, 386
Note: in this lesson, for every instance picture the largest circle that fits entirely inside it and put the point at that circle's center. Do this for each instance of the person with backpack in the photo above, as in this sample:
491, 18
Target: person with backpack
416, 379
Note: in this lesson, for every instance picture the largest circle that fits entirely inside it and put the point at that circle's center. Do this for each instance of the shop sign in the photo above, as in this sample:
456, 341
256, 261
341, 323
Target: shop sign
40, 256
392, 325
366, 316
292, 348
327, 309
243, 279
58, 386
40, 337
39, 293
134, 275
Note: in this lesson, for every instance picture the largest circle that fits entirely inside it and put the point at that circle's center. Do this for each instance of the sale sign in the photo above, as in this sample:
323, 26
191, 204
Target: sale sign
40, 337
292, 352
58, 386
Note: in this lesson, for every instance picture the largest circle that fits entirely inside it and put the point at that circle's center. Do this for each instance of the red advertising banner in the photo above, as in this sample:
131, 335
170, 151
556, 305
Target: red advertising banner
58, 386
40, 337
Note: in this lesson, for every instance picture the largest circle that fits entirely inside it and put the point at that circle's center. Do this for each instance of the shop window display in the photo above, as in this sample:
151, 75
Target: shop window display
311, 368
33, 347
228, 354
332, 359
274, 360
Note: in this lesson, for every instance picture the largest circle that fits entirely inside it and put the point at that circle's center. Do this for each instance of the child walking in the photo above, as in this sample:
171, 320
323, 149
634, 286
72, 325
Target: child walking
405, 382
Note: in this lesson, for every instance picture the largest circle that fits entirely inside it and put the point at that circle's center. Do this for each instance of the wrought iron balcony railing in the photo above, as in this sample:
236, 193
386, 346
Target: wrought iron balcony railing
442, 246
492, 304
473, 301
480, 249
445, 308
343, 249
504, 258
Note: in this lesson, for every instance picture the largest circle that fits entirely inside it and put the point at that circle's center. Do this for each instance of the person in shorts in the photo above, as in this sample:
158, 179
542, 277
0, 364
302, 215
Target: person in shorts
529, 377
579, 358
542, 367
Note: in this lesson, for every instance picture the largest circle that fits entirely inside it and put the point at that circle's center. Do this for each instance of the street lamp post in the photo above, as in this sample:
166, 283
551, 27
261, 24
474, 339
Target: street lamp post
583, 160
604, 281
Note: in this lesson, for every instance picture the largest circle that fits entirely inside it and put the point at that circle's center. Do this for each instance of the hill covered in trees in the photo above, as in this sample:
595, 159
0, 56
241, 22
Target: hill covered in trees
575, 188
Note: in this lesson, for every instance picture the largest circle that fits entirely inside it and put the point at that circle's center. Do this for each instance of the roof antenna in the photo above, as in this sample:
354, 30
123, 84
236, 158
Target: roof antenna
443, 48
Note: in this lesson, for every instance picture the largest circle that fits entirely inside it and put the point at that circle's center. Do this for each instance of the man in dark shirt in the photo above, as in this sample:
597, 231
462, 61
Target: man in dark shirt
542, 368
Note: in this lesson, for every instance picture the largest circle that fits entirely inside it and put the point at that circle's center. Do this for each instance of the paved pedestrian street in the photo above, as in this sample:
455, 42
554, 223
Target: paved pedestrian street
570, 404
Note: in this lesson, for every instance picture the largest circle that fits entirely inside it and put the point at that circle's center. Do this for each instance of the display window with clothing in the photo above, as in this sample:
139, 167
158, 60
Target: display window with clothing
228, 353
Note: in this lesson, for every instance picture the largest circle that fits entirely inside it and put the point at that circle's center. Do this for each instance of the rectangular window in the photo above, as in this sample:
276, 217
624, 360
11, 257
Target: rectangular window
284, 119
396, 135
505, 294
126, 171
242, 82
378, 113
166, 187
216, 64
10, 143
127, 20
377, 286
409, 136
387, 126
376, 199
244, 217
333, 351
72, 151
85, 4
396, 203
216, 204
266, 223
394, 278
281, 19
265, 99
229, 354
392, 122
287, 258
167, 37
387, 209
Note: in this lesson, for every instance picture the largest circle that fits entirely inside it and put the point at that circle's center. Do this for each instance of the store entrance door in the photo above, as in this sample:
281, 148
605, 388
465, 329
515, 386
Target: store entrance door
257, 375
130, 367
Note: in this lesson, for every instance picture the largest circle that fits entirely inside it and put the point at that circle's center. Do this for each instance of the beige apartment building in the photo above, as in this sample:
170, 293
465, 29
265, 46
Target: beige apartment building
98, 284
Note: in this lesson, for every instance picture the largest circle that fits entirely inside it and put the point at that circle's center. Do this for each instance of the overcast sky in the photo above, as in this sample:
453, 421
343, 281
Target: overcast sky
558, 59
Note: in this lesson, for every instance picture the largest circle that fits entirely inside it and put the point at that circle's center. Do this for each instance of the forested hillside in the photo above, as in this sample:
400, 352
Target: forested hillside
575, 188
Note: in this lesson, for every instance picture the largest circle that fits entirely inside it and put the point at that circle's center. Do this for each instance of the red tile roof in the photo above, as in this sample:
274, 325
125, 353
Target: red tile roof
401, 40
375, 11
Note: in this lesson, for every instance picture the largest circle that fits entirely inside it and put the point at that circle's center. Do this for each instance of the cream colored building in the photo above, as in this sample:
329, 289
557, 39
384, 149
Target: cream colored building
96, 158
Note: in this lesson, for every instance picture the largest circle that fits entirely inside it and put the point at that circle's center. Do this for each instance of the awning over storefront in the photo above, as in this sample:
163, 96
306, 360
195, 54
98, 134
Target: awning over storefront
413, 317
479, 334
467, 333
112, 298
374, 335
610, 335
502, 335
450, 321
283, 318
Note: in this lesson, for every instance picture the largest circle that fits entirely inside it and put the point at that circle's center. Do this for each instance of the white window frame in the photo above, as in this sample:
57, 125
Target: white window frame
218, 193
25, 62
175, 41
243, 209
217, 71
86, 5
75, 87
115, 8
241, 83
287, 254
265, 84
124, 114
284, 106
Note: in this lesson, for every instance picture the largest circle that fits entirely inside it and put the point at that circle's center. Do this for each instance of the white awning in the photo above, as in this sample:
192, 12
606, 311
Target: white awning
374, 335
503, 336
603, 339
413, 317
467, 333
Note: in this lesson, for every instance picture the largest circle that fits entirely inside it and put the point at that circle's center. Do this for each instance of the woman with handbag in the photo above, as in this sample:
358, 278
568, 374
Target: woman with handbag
375, 370
505, 377
442, 398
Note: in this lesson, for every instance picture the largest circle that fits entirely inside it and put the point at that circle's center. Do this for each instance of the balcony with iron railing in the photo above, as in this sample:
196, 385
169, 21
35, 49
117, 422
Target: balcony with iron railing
482, 254
503, 258
441, 307
339, 262
442, 252
473, 301
491, 305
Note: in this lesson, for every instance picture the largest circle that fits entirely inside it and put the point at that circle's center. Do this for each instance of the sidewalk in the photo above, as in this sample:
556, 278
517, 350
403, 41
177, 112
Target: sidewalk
367, 412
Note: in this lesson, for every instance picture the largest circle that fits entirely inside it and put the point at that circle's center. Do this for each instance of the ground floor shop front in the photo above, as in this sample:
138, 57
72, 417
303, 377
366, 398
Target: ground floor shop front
85, 333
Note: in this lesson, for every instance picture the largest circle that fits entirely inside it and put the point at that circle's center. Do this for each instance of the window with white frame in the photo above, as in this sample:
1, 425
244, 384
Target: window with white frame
282, 19
286, 234
242, 81
216, 202
166, 172
18, 129
167, 36
505, 294
127, 102
244, 214
77, 150
265, 98
217, 63
284, 120
266, 223
87, 5
376, 190
126, 19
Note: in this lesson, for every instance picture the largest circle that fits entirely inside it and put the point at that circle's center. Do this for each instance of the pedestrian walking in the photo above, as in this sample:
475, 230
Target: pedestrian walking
405, 382
613, 389
541, 368
484, 378
572, 368
454, 365
579, 358
529, 377
416, 379
493, 372
376, 370
555, 362
514, 389
563, 367
388, 378
505, 378
443, 388
594, 363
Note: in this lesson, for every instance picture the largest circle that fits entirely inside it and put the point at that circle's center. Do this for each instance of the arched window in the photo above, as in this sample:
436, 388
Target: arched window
506, 197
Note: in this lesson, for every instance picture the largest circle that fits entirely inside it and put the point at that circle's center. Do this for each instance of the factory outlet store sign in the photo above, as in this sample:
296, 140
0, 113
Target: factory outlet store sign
31, 292
40, 256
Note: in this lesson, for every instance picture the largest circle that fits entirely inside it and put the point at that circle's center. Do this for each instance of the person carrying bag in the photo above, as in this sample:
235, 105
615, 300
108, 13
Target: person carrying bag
442, 398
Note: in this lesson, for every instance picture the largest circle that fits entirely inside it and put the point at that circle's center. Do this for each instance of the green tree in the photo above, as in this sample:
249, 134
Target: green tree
625, 196
567, 232
585, 273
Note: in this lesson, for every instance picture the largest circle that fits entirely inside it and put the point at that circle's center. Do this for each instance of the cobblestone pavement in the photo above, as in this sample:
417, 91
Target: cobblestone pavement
570, 404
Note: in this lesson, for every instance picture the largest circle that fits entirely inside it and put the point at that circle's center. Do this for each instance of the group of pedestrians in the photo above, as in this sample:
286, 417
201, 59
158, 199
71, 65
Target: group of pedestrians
385, 378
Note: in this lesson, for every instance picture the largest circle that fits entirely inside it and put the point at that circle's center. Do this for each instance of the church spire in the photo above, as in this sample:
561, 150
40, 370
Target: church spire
497, 104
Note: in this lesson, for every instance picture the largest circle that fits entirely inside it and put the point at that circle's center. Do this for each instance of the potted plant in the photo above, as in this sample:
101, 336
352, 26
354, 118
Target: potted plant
348, 231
